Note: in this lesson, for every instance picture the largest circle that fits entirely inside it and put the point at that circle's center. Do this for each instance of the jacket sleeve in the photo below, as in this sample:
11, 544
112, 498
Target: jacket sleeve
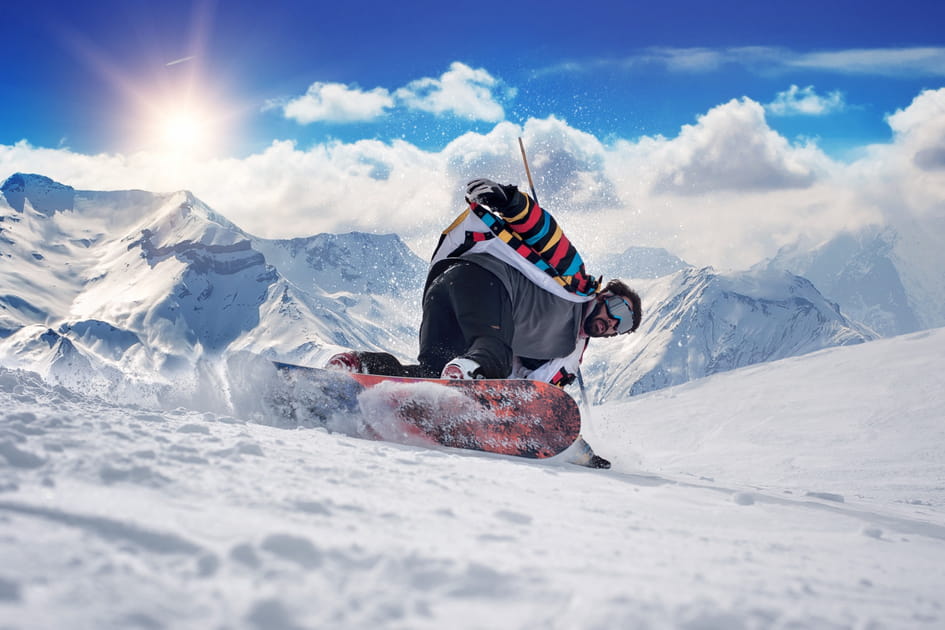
542, 234
560, 371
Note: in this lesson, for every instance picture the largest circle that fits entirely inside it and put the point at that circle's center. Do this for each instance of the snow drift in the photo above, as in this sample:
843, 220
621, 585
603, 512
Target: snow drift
801, 493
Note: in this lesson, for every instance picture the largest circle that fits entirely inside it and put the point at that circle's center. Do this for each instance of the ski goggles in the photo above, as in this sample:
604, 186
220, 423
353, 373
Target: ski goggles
619, 309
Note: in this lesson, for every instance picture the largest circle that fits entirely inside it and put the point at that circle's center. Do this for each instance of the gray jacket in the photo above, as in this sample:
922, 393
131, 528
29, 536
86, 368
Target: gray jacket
546, 326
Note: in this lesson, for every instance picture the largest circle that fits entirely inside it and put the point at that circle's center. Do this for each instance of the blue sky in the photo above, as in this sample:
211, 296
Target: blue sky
718, 130
621, 69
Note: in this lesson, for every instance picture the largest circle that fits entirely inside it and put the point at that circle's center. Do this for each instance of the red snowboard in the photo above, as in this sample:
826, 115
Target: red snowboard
511, 417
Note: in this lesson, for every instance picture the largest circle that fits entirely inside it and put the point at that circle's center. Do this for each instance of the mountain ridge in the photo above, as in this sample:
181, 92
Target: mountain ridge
177, 282
152, 284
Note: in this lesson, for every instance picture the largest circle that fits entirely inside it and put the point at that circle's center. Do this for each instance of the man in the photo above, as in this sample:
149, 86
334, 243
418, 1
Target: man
507, 296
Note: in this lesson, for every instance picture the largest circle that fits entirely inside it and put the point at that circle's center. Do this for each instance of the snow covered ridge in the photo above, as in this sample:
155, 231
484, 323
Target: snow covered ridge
102, 287
43, 194
889, 278
99, 288
700, 322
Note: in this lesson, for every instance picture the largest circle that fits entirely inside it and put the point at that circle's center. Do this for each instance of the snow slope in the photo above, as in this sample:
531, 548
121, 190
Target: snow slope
804, 493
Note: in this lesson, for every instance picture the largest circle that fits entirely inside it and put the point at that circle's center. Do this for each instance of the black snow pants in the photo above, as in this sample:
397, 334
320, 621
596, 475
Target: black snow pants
466, 312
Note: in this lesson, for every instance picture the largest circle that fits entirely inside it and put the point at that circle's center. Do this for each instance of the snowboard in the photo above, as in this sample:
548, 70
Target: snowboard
523, 418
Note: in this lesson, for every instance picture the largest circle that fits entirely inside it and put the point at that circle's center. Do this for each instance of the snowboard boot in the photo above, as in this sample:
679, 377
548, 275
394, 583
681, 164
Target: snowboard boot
581, 454
346, 362
461, 369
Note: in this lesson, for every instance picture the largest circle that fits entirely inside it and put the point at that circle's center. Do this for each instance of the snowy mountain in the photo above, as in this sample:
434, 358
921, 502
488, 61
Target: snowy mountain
107, 291
641, 262
888, 278
804, 493
699, 322
98, 287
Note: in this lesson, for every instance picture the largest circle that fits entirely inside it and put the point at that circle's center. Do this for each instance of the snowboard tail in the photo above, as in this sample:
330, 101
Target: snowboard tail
523, 418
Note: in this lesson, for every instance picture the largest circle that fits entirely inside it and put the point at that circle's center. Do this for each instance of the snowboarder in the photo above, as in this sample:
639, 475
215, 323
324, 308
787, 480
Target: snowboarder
506, 296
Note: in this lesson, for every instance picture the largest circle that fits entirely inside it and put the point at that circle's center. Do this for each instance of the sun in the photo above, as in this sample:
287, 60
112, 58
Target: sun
183, 129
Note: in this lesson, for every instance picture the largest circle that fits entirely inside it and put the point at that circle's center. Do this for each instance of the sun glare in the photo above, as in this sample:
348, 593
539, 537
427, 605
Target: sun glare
180, 129
183, 130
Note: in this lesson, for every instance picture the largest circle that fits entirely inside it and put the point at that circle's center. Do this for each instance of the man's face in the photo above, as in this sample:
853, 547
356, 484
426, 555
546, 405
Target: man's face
599, 323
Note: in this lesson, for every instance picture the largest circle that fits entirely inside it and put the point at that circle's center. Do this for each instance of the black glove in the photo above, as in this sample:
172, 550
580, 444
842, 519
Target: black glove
489, 193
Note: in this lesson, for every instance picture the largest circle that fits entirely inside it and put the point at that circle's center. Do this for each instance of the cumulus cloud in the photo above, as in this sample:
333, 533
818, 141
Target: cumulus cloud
732, 148
336, 102
567, 164
726, 190
806, 101
907, 177
919, 132
925, 113
462, 91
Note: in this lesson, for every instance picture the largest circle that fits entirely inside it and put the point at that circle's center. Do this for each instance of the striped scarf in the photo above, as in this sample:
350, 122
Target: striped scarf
535, 235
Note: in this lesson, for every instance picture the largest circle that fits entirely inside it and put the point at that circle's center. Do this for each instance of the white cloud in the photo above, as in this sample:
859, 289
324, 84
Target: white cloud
916, 61
806, 101
568, 165
731, 148
726, 190
462, 91
907, 177
928, 108
336, 102
895, 62
687, 59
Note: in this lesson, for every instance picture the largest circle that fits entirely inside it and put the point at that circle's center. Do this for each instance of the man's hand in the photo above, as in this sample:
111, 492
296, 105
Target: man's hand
488, 193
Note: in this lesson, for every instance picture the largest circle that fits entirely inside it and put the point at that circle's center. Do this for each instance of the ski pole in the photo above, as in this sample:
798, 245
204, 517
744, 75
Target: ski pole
531, 186
528, 171
587, 405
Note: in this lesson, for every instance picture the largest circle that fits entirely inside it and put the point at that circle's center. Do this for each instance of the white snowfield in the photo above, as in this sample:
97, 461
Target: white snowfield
806, 493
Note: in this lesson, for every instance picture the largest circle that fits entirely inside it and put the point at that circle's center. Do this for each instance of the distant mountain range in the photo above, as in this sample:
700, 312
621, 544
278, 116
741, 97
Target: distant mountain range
890, 278
699, 322
101, 288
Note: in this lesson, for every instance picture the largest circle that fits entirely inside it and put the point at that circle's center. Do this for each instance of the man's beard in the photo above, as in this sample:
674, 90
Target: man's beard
590, 319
